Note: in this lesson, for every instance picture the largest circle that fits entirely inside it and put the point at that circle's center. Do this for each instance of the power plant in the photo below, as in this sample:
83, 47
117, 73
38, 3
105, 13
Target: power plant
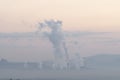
33, 50
52, 31
55, 35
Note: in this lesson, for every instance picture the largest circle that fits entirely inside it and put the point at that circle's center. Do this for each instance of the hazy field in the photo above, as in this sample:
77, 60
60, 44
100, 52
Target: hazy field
102, 74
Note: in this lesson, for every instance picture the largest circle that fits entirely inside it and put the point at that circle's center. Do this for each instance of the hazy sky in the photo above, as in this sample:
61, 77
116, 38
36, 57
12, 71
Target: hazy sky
38, 48
86, 15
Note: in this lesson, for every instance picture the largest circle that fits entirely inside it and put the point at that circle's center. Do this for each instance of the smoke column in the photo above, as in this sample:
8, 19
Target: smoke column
66, 51
55, 36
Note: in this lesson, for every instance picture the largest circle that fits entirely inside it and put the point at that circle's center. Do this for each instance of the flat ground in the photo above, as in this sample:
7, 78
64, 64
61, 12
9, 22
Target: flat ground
101, 74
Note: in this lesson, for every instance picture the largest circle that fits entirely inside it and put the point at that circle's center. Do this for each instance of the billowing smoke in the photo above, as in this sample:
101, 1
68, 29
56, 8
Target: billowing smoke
55, 36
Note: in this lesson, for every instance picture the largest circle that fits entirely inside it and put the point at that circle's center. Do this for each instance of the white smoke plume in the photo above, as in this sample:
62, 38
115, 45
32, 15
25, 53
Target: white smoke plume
55, 36
53, 30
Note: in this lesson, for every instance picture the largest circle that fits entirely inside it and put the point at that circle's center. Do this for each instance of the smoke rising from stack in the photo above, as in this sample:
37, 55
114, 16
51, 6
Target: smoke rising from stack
55, 36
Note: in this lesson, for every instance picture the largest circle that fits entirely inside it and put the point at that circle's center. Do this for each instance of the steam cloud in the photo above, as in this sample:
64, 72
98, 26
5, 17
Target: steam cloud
55, 36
